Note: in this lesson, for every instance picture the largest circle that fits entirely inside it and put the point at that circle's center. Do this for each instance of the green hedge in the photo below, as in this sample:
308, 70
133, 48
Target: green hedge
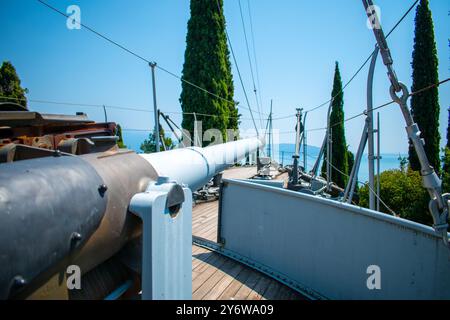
402, 191
446, 171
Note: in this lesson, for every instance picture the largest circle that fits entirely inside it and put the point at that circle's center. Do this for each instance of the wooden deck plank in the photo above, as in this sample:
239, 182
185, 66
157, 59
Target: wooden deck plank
248, 285
203, 275
201, 208
205, 227
206, 260
240, 173
208, 233
201, 258
213, 280
197, 250
204, 218
260, 288
220, 287
200, 228
201, 211
272, 290
235, 285
209, 215
204, 205
218, 277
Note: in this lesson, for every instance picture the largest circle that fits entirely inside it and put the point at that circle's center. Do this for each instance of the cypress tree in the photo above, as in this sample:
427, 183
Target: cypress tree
446, 160
425, 106
350, 160
448, 129
339, 154
10, 85
207, 65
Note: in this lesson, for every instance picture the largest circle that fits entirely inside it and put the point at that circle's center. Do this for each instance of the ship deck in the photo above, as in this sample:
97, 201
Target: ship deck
216, 277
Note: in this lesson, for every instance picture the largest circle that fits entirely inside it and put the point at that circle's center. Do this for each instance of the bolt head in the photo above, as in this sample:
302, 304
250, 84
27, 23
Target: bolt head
102, 189
76, 236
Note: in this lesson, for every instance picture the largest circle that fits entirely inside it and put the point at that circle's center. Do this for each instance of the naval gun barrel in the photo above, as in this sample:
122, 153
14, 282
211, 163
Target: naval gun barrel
195, 166
65, 210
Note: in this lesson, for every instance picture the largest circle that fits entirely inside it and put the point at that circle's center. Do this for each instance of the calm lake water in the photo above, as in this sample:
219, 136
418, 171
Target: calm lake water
388, 161
283, 154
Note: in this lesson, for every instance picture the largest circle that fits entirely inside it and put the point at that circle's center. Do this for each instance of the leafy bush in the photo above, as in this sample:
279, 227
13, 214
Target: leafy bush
149, 145
446, 171
402, 191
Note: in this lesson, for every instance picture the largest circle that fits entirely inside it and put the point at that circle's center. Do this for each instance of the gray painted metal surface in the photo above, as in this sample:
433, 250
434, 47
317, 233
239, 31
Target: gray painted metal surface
370, 130
327, 246
439, 205
155, 107
272, 183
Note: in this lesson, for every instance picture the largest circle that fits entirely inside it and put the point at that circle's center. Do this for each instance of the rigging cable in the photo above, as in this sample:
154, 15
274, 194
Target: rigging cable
359, 69
237, 68
358, 181
139, 56
127, 108
250, 61
211, 115
254, 52
375, 108
368, 58
365, 184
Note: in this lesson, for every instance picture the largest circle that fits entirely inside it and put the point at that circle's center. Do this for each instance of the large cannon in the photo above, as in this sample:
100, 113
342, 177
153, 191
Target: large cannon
73, 208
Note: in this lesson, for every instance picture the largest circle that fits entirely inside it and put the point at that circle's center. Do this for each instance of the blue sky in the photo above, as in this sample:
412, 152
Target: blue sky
297, 44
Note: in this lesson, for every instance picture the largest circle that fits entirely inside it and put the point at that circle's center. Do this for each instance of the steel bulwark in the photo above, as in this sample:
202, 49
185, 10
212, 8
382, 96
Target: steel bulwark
327, 247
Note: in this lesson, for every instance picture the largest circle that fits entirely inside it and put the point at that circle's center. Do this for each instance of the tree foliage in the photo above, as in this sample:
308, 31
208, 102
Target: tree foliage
120, 142
208, 66
339, 154
448, 129
10, 85
425, 106
446, 171
149, 145
403, 163
350, 160
446, 160
403, 192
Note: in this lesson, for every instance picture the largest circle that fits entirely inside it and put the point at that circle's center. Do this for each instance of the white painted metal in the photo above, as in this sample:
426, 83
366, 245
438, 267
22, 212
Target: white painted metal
194, 167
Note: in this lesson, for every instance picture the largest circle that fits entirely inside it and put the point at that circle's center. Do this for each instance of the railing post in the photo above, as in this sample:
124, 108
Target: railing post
155, 106
371, 157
